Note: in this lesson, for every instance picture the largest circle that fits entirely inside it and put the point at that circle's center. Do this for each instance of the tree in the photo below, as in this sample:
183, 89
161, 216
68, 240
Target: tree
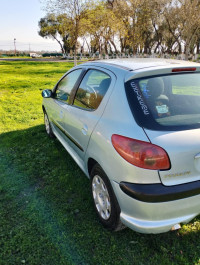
125, 11
137, 25
74, 11
139, 20
189, 22
54, 27
102, 26
183, 21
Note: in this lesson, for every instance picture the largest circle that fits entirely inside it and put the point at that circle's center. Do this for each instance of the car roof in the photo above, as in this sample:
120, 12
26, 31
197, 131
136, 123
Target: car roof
133, 64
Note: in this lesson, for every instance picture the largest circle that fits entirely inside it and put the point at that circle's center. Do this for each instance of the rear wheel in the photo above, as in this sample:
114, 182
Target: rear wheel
48, 126
104, 199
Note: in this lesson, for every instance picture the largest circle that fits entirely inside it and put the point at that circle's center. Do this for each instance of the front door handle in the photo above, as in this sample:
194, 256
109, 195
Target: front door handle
197, 156
61, 114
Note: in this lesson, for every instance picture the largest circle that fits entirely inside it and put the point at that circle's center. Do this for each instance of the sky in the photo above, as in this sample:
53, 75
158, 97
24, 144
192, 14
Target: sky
19, 20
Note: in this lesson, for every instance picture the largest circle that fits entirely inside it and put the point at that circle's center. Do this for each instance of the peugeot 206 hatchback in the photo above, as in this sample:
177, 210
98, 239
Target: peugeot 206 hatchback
133, 127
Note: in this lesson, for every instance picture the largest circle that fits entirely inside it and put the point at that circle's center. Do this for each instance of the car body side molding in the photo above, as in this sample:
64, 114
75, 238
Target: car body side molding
67, 135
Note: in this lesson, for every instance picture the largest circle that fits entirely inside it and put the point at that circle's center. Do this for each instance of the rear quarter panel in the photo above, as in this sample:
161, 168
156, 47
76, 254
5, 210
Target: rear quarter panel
118, 119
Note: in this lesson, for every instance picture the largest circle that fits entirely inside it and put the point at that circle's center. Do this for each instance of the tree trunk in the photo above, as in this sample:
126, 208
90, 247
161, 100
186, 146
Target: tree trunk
106, 47
179, 48
61, 46
113, 44
122, 44
187, 49
75, 52
197, 46
147, 49
110, 46
156, 48
89, 50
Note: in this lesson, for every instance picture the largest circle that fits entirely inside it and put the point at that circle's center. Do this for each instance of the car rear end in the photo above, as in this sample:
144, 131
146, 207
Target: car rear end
155, 146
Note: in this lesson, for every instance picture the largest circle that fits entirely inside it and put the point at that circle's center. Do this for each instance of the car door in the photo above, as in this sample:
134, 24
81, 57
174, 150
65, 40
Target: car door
88, 106
58, 105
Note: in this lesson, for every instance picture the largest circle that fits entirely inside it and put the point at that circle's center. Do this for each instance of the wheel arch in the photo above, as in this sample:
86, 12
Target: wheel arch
90, 164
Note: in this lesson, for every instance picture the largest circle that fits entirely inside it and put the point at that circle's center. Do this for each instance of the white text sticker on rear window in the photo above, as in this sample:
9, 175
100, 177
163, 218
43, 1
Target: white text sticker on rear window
140, 99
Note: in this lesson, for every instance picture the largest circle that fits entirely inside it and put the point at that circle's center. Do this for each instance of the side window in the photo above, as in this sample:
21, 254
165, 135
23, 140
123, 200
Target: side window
92, 89
66, 85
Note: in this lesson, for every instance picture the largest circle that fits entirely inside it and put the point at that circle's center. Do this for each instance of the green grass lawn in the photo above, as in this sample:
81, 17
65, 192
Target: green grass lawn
46, 211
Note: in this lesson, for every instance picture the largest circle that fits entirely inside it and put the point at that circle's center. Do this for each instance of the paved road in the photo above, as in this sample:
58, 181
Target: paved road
36, 59
39, 60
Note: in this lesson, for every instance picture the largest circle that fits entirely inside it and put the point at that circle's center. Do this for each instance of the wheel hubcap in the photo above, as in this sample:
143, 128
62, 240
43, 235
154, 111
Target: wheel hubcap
101, 197
46, 121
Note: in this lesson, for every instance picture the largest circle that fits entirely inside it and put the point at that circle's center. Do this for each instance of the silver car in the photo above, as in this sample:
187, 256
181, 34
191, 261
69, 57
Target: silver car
133, 127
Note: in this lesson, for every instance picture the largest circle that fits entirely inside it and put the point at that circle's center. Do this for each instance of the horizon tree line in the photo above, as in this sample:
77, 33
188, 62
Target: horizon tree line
123, 26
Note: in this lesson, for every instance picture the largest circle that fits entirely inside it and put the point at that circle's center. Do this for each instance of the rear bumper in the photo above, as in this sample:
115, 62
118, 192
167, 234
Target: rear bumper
160, 193
155, 217
153, 227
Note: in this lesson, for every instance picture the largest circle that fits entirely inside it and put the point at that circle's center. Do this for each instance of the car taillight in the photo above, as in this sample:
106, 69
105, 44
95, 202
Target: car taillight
141, 154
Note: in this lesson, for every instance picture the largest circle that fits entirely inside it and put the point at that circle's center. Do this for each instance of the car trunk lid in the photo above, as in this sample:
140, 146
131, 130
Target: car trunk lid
183, 149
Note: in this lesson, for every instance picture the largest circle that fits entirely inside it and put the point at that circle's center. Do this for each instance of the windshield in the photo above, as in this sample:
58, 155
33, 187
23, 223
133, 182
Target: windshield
170, 102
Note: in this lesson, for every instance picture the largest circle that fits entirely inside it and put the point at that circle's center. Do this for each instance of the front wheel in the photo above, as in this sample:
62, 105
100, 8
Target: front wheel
104, 199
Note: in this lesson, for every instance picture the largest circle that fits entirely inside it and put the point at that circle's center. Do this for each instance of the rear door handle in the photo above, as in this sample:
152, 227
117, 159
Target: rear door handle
84, 129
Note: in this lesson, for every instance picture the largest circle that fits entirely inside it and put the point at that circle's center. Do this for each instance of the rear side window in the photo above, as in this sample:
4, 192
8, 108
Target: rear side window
66, 85
170, 102
92, 90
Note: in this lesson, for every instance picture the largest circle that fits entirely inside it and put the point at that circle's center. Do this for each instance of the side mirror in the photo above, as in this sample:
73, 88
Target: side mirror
47, 93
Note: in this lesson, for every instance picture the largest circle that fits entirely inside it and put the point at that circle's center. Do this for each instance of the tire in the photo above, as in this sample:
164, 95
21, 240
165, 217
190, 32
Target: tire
48, 126
105, 202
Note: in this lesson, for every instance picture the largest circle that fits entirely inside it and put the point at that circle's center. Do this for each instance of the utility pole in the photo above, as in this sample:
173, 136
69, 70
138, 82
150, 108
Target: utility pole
15, 45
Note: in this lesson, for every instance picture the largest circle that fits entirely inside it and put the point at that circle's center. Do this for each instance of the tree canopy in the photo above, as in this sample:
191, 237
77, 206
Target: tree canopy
127, 26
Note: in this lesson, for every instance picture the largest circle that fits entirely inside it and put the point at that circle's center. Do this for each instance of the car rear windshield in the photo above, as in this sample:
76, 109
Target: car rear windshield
168, 102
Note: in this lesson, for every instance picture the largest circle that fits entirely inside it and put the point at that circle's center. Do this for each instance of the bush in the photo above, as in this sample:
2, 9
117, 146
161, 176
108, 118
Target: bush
56, 54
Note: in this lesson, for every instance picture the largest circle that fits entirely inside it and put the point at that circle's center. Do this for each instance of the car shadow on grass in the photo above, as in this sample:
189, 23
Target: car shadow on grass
47, 214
